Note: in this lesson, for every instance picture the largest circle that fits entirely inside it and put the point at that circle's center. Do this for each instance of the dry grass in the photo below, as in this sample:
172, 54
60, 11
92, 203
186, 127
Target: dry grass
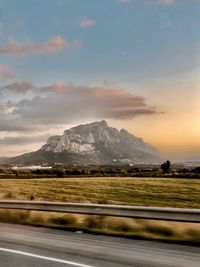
135, 228
163, 192
183, 193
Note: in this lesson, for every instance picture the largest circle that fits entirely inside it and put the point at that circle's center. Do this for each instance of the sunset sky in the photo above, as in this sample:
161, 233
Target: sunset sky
134, 63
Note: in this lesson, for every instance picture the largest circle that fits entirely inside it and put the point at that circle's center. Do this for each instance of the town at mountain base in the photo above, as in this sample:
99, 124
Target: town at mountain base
93, 143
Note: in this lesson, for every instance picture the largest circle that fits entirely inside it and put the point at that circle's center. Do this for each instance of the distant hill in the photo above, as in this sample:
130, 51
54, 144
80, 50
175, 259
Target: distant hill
93, 143
188, 161
3, 160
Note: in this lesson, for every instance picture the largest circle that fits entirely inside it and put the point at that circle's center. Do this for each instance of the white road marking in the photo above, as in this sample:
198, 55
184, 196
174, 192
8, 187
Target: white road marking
44, 257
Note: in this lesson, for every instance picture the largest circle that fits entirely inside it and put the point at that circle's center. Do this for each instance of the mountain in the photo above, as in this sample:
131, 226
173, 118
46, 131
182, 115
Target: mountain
93, 143
3, 160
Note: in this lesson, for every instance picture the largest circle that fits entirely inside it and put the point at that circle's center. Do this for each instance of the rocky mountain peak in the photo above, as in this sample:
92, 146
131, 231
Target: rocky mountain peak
102, 142
89, 127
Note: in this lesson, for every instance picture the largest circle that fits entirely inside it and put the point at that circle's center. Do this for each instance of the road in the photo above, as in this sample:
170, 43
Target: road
26, 246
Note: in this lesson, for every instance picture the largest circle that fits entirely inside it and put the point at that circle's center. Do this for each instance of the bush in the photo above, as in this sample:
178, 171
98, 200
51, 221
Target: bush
94, 222
64, 220
159, 230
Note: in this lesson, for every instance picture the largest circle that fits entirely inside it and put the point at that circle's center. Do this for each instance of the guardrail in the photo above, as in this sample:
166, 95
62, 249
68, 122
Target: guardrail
148, 213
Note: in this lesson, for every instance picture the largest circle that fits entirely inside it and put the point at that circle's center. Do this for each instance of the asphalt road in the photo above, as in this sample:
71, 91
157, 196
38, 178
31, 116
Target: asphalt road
25, 246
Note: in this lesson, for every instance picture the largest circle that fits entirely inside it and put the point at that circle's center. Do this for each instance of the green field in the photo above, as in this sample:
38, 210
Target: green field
163, 192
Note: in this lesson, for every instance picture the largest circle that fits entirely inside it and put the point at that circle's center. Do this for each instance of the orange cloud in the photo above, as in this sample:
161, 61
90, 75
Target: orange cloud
6, 73
59, 88
54, 45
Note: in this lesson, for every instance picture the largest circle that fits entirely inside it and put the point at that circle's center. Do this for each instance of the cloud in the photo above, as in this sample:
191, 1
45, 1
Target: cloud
23, 139
6, 73
85, 23
13, 122
60, 104
70, 103
19, 87
54, 45
9, 121
109, 83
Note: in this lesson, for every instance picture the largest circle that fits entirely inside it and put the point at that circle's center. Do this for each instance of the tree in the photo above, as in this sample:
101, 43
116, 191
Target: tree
59, 173
166, 166
196, 170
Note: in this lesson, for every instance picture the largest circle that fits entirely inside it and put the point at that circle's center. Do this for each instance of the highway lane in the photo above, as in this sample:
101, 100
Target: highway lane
25, 246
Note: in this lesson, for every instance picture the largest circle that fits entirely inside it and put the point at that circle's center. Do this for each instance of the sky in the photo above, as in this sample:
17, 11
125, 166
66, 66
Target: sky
134, 63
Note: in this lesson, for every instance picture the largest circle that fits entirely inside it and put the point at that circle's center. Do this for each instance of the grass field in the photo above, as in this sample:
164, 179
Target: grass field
183, 193
163, 192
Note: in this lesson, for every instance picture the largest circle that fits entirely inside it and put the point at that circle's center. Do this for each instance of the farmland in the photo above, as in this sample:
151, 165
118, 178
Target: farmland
161, 192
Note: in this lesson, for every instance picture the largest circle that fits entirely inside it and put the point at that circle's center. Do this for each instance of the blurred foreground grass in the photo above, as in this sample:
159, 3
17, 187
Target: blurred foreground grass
125, 227
161, 192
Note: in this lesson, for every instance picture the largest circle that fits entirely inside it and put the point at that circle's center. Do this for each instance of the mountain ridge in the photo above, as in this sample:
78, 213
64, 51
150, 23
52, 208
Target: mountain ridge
92, 143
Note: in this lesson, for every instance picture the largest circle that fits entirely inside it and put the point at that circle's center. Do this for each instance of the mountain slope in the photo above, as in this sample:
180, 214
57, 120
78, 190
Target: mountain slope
94, 143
